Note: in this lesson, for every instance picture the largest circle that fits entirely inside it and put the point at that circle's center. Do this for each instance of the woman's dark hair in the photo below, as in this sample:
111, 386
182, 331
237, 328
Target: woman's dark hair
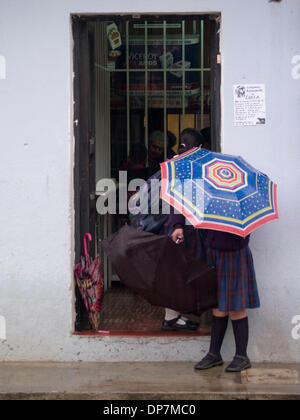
189, 138
138, 153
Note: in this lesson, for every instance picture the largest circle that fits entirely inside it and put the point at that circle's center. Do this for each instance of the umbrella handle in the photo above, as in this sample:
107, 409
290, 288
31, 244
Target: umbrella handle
86, 237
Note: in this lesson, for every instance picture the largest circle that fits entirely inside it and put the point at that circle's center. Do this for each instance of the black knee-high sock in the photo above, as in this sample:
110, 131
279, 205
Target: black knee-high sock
218, 331
241, 334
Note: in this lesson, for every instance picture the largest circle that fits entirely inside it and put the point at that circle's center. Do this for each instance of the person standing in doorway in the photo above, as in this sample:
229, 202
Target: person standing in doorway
156, 151
172, 140
135, 165
231, 256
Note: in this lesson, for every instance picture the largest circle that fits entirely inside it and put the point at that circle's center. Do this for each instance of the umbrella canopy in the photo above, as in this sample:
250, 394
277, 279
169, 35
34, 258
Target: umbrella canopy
90, 283
219, 192
161, 271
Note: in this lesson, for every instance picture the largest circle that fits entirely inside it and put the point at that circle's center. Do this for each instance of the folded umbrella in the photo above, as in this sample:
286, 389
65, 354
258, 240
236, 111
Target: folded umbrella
219, 192
90, 283
161, 271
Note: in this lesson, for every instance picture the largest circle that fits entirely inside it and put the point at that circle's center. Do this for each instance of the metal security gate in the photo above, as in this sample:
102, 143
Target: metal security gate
198, 29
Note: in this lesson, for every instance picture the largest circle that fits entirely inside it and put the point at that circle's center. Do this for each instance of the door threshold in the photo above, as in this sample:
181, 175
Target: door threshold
201, 333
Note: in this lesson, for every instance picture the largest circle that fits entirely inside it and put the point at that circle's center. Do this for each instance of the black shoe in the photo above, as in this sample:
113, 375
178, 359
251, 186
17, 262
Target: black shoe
173, 326
239, 364
194, 324
209, 361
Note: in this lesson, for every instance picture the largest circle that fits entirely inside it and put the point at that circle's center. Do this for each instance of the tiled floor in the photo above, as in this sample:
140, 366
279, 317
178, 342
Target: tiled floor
125, 311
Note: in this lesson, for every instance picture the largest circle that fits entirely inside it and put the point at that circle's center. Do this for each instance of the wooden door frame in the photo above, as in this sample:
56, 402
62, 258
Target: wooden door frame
84, 165
215, 84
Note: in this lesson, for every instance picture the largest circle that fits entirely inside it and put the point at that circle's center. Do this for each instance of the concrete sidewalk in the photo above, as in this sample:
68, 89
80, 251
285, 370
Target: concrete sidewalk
145, 381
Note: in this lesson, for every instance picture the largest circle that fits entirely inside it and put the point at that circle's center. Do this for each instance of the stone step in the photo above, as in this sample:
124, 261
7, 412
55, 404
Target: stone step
146, 381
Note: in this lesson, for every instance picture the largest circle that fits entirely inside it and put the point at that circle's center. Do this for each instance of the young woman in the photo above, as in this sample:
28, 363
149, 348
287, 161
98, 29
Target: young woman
231, 256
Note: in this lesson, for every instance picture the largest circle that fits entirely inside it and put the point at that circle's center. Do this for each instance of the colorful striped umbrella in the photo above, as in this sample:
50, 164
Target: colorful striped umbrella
219, 192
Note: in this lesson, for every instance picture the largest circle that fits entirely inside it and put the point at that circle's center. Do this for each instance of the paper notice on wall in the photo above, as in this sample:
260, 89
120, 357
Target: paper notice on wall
114, 36
249, 105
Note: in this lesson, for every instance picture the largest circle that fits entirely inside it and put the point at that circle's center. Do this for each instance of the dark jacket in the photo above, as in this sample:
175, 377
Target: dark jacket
222, 241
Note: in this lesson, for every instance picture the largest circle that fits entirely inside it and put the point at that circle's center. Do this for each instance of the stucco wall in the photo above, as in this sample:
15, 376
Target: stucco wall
260, 43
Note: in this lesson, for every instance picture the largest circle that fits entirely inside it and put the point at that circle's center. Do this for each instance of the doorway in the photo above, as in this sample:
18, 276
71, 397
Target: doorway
139, 81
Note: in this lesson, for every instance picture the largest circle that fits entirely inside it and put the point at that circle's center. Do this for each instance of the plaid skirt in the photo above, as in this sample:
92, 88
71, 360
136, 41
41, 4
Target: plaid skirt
236, 277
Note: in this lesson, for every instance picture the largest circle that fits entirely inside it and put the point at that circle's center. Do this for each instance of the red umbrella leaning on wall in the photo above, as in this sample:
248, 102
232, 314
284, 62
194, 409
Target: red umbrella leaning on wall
90, 283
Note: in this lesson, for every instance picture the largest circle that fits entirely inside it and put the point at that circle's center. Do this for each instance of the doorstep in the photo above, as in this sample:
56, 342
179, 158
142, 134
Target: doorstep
146, 381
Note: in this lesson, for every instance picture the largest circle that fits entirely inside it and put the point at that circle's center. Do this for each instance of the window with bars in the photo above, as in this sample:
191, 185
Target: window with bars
158, 80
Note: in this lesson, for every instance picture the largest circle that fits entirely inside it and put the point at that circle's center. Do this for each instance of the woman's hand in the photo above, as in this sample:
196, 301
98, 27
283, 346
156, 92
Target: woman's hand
178, 236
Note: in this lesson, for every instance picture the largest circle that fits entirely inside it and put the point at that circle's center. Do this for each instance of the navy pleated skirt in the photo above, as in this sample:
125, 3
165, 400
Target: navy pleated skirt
236, 278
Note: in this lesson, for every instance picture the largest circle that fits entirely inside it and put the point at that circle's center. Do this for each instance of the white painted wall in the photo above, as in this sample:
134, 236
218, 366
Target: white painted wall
260, 44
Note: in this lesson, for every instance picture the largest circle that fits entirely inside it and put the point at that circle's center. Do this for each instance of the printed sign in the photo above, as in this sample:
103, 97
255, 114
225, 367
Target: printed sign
156, 59
114, 36
249, 105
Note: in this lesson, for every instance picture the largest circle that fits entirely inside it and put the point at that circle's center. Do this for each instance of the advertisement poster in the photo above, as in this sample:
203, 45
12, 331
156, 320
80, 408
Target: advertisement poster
155, 61
249, 105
